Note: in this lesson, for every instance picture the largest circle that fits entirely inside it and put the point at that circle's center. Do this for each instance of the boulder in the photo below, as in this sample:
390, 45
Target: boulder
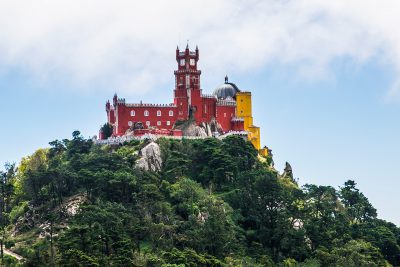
288, 172
204, 129
150, 158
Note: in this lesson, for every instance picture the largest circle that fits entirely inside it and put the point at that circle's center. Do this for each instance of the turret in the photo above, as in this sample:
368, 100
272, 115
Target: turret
108, 106
187, 59
115, 99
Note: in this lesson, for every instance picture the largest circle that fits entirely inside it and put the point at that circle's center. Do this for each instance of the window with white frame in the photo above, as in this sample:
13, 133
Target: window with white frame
168, 123
158, 123
132, 113
171, 113
130, 123
147, 123
146, 113
158, 113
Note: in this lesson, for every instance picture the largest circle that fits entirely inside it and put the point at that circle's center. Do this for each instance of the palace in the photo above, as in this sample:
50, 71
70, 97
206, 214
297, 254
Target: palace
228, 109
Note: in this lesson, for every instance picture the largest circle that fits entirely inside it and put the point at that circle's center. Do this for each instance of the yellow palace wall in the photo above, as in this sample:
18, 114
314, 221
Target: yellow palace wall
244, 110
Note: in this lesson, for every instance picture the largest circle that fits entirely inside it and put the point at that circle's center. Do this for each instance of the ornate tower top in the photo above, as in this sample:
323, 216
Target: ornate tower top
186, 59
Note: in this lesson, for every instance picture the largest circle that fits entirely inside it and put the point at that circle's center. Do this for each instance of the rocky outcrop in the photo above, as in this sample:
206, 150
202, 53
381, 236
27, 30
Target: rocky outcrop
204, 129
202, 217
287, 172
193, 130
215, 126
71, 206
27, 221
150, 158
33, 218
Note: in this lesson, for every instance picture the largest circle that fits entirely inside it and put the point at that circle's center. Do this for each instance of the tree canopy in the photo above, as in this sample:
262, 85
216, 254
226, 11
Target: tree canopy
213, 203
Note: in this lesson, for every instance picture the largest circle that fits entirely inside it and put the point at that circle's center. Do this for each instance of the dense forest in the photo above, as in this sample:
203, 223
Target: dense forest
211, 203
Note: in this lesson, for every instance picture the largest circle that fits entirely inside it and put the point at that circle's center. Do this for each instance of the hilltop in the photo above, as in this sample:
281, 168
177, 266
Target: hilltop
200, 202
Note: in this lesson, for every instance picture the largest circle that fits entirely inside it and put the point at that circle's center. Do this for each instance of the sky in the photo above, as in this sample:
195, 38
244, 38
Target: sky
324, 76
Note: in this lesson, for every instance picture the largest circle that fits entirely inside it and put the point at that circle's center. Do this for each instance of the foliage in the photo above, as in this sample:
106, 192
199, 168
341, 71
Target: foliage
214, 203
107, 130
353, 254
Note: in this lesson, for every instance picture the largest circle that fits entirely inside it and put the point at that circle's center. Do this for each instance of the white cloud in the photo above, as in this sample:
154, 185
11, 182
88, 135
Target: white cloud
130, 44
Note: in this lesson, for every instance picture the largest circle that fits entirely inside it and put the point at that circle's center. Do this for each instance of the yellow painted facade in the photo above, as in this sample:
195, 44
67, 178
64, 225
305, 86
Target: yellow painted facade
263, 151
244, 110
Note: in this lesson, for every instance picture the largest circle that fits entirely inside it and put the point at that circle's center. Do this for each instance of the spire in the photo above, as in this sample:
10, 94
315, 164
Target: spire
226, 78
197, 48
187, 45
177, 48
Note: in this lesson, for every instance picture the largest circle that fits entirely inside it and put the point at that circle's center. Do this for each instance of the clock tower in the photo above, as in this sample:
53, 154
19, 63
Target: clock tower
187, 93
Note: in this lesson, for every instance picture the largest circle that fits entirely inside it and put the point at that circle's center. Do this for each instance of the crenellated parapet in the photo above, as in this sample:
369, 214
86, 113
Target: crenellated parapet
121, 101
208, 96
230, 103
131, 105
191, 71
237, 119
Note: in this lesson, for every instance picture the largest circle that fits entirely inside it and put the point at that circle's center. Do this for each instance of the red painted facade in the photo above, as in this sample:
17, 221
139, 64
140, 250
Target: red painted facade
189, 102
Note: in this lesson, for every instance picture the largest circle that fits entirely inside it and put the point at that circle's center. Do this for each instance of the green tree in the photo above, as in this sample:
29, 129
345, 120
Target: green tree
354, 253
269, 211
107, 130
359, 209
324, 217
381, 235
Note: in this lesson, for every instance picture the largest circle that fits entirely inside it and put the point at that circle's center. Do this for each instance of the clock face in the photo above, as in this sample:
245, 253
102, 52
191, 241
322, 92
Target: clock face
192, 62
182, 62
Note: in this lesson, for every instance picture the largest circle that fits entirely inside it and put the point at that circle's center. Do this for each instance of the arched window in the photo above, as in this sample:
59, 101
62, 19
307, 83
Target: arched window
158, 123
132, 113
146, 113
130, 123
171, 113
147, 123
158, 113
168, 123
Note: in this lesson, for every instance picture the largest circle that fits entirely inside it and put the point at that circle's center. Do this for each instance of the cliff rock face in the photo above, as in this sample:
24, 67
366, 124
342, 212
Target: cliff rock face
191, 129
205, 129
150, 158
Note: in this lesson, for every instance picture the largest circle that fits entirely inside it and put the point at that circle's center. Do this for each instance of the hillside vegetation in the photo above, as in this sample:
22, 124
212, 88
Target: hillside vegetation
213, 203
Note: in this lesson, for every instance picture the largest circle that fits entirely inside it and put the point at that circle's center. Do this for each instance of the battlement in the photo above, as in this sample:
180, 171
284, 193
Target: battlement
237, 119
131, 105
120, 101
230, 103
208, 96
187, 71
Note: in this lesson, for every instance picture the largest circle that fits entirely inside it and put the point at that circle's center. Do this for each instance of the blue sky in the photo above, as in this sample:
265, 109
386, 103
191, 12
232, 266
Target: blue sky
324, 76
